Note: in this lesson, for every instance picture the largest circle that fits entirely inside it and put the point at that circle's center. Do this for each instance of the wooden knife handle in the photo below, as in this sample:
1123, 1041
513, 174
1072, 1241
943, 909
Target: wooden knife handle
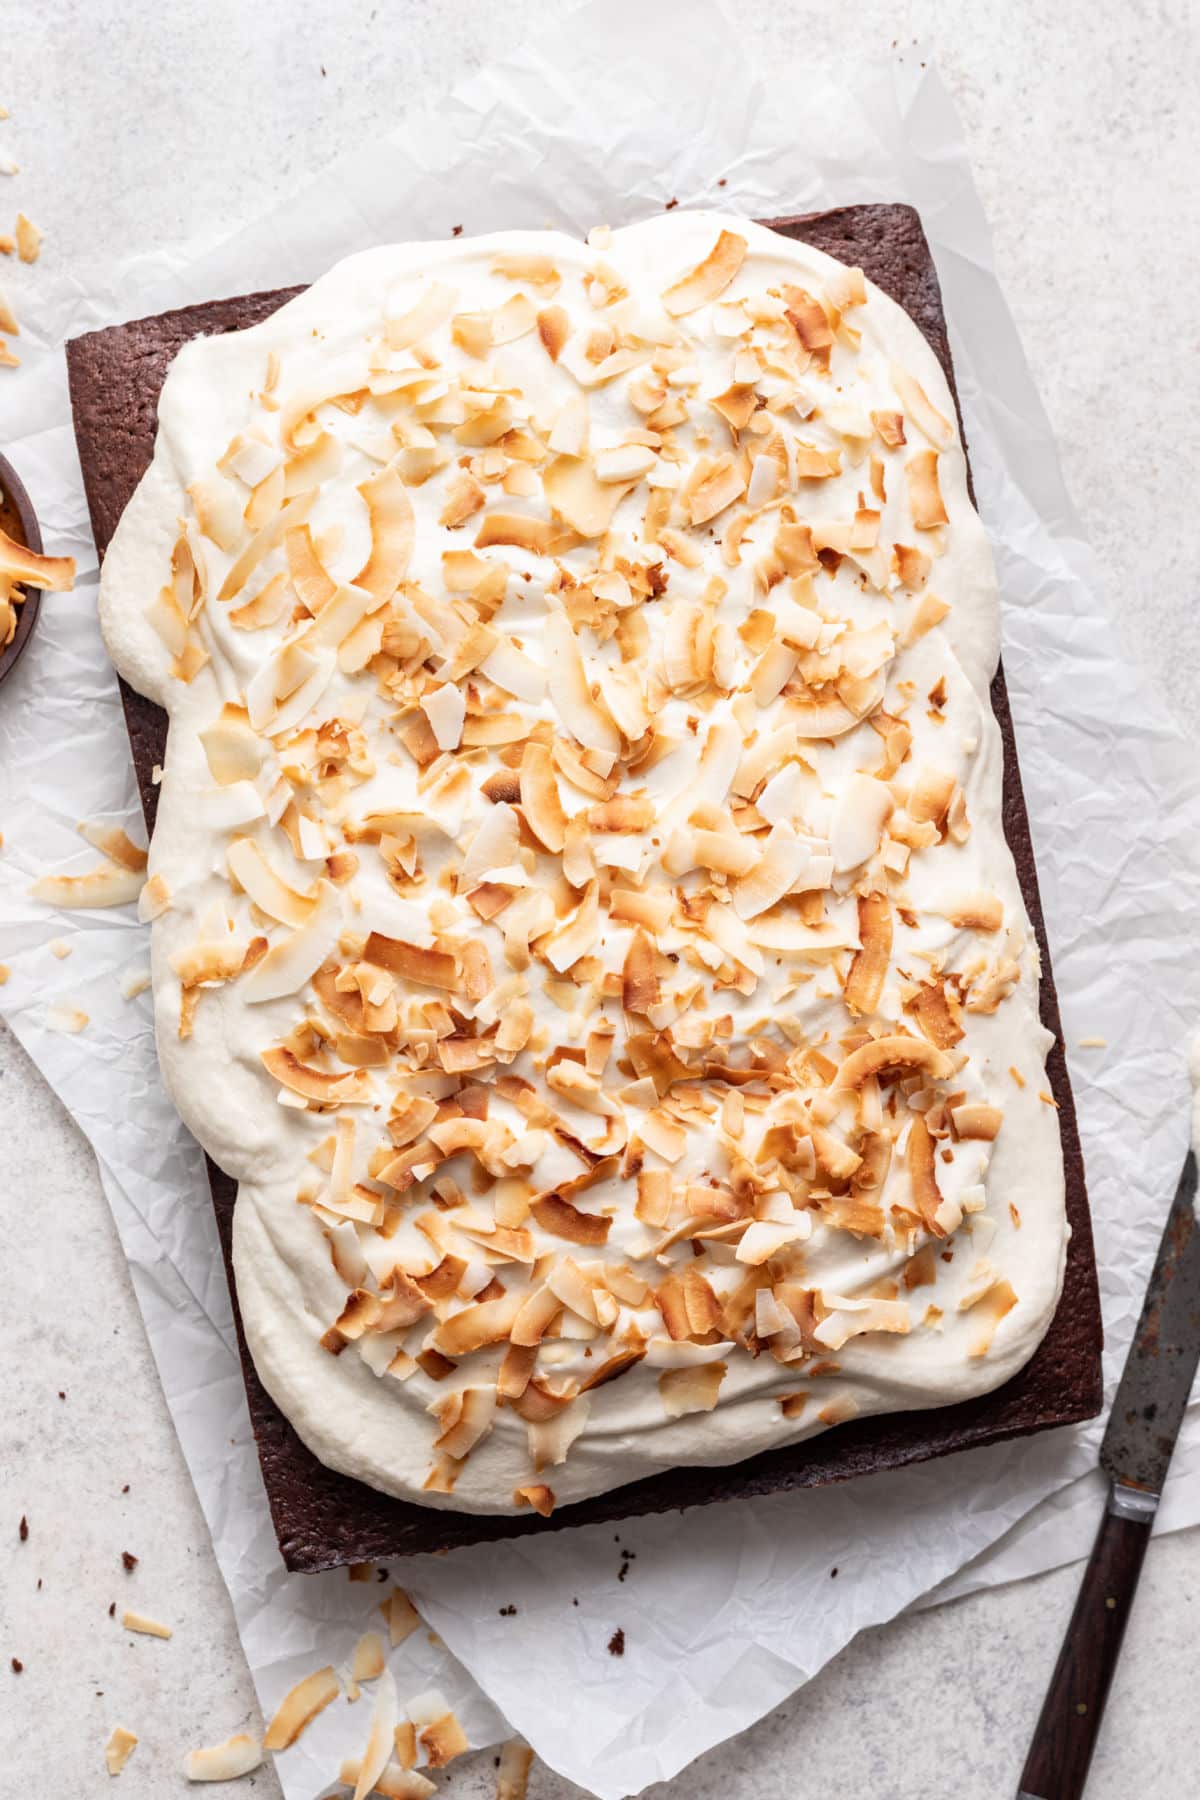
1066, 1731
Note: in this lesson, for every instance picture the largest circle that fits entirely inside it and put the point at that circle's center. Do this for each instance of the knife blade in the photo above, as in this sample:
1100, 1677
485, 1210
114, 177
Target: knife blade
1135, 1454
1153, 1392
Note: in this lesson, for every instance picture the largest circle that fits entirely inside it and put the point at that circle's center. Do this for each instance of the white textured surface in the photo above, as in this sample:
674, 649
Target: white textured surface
1090, 178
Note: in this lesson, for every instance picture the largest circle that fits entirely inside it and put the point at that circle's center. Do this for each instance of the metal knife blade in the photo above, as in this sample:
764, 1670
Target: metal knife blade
1157, 1378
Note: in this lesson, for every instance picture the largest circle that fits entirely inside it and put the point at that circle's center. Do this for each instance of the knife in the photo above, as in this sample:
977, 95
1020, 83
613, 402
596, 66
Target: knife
1135, 1454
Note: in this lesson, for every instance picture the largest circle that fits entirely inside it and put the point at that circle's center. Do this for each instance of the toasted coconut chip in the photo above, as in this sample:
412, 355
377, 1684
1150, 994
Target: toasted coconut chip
464, 1417
294, 960
512, 1778
393, 529
429, 313
119, 1748
889, 1057
782, 863
640, 988
265, 887
443, 1740
579, 497
540, 800
238, 1755
368, 1659
134, 1621
476, 1326
924, 494
692, 1389
556, 1215
930, 796
515, 672
863, 808
988, 1307
429, 968
868, 971
569, 691
537, 1495
393, 1782
541, 537
920, 408
974, 912
53, 573
263, 542
328, 1087
401, 1615
920, 1156
107, 885
299, 1706
709, 278
854, 1318
381, 1738
977, 1119
937, 1017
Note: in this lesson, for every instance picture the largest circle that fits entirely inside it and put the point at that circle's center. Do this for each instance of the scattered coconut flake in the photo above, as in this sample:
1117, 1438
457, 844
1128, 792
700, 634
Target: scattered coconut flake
29, 239
238, 1755
512, 1777
133, 1621
299, 1706
119, 1748
69, 1019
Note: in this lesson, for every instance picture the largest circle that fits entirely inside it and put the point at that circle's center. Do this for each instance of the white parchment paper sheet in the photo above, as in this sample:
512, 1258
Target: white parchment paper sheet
728, 1609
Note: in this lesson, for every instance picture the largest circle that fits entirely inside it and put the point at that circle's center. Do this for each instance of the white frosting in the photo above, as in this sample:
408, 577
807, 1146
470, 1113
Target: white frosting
376, 1426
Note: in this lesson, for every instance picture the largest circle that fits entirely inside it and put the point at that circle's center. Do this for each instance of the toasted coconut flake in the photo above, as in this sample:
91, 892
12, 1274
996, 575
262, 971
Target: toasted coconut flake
540, 800
263, 542
238, 1755
393, 1782
868, 971
579, 497
569, 691
553, 328
862, 810
401, 1615
889, 1057
922, 1174
368, 1659
854, 1318
299, 1706
537, 1495
721, 486
442, 1740
419, 321
476, 1326
541, 537
640, 988
381, 1738
974, 912
987, 1308
556, 1215
782, 863
977, 1119
920, 408
55, 574
393, 528
28, 239
924, 494
709, 278
265, 886
512, 1779
430, 968
691, 1390
119, 1748
107, 885
134, 1621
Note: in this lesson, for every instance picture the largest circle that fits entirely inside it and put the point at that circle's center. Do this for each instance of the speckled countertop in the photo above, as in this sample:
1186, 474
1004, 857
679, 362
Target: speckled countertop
149, 124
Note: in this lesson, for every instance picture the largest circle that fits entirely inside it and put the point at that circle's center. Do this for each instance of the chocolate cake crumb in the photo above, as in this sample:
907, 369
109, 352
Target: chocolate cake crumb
616, 1643
509, 1612
23, 1528
17, 1665
129, 1559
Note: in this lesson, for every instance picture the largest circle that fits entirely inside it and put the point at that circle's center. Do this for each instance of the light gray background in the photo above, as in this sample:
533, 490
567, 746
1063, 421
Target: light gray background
144, 123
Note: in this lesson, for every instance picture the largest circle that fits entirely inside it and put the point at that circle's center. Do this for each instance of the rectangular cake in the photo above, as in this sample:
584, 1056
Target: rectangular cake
595, 919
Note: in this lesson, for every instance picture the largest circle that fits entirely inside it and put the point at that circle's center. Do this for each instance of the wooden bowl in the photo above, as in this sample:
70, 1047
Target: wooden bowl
19, 520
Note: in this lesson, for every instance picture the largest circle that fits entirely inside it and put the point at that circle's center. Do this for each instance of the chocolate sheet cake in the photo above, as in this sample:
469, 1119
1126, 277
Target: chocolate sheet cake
323, 1518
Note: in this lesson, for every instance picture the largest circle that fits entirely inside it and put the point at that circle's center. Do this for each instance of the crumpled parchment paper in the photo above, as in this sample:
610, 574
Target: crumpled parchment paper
727, 1609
